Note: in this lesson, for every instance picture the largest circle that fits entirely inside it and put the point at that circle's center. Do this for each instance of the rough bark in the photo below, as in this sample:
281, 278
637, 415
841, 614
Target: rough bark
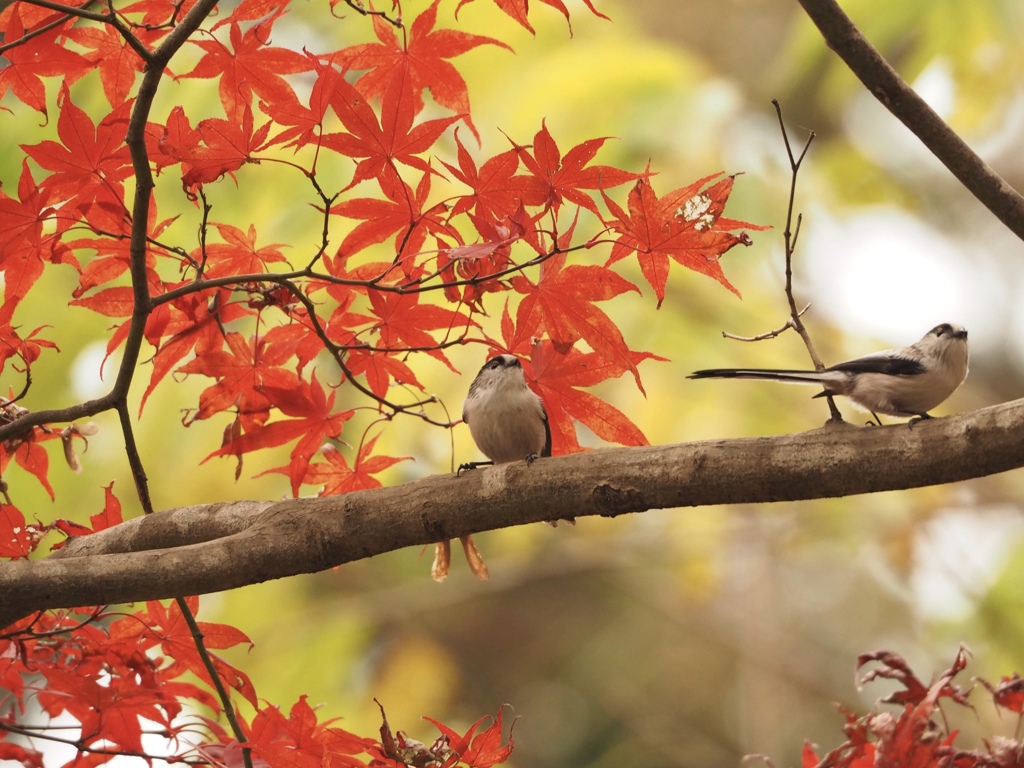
215, 547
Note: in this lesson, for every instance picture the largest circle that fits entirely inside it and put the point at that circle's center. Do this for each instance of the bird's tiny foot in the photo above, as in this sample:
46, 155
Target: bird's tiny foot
532, 458
471, 465
917, 418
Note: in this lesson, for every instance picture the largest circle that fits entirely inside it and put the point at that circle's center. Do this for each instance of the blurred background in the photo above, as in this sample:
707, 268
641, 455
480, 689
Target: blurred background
677, 637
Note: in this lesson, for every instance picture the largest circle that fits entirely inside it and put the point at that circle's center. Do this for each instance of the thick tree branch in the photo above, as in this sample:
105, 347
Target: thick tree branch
843, 37
222, 546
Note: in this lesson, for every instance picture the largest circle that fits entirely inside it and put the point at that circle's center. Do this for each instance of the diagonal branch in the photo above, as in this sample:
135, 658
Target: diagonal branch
843, 37
223, 546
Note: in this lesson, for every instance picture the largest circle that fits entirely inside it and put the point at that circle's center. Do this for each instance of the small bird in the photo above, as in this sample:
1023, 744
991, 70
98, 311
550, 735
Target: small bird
508, 423
506, 418
905, 382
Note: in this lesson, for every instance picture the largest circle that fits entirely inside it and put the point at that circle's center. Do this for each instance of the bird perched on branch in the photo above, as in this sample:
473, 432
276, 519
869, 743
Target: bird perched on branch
508, 423
506, 418
905, 382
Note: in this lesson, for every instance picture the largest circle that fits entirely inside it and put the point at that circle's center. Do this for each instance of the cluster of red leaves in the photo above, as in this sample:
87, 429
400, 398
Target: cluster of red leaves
125, 675
416, 249
412, 271
917, 736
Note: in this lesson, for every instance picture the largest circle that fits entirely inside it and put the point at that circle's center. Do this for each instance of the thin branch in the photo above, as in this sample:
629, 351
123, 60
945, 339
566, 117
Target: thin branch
218, 684
769, 334
79, 744
358, 7
790, 235
883, 82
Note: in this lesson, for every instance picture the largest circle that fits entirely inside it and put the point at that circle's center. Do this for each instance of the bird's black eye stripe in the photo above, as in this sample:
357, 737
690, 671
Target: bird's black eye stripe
499, 362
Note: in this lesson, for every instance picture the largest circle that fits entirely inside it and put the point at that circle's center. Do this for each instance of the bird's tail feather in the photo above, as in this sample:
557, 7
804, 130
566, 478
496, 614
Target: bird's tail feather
770, 374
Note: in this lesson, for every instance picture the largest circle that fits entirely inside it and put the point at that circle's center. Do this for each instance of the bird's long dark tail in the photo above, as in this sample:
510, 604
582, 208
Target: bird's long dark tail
769, 374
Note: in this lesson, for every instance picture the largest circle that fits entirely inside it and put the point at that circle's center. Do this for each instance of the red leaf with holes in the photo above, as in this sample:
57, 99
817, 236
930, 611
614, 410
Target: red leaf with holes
685, 225
16, 540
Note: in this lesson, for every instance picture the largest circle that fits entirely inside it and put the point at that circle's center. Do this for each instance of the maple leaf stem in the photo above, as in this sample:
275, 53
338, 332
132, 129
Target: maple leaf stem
358, 7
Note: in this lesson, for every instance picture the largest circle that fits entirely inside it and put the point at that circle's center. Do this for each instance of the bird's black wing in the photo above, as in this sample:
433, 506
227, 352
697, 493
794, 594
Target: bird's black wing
888, 364
546, 451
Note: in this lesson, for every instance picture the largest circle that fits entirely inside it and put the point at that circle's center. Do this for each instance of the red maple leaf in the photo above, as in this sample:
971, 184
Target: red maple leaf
238, 254
39, 55
401, 214
556, 179
561, 379
685, 225
89, 165
117, 61
226, 146
241, 372
304, 123
24, 247
518, 10
314, 421
26, 349
562, 304
249, 66
497, 190
176, 640
381, 369
30, 456
404, 322
421, 58
381, 144
483, 751
337, 477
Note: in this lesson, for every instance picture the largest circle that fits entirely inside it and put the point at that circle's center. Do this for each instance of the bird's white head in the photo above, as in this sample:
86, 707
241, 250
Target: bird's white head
501, 372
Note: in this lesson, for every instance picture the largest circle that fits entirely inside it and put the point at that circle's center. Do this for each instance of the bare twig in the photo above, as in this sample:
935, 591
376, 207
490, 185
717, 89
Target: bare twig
790, 235
769, 334
42, 733
358, 7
